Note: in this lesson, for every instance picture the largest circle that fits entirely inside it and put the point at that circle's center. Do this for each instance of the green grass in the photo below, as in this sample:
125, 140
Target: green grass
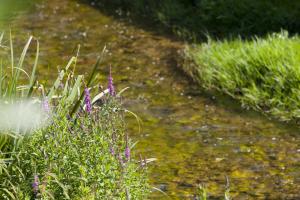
262, 73
78, 155
11, 90
202, 193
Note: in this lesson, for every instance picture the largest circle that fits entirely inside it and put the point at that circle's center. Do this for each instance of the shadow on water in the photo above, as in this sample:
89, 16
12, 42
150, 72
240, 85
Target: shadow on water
119, 12
195, 19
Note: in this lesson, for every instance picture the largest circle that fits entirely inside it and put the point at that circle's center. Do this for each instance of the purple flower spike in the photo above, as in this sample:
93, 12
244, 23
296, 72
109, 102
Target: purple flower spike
127, 153
112, 151
127, 149
45, 104
111, 88
35, 185
87, 101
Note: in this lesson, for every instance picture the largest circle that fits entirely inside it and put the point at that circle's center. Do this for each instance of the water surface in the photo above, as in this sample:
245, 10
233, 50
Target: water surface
196, 137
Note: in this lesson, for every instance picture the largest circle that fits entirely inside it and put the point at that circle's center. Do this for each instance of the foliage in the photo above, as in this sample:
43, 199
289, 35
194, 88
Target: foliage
216, 17
78, 158
79, 154
262, 73
10, 88
202, 193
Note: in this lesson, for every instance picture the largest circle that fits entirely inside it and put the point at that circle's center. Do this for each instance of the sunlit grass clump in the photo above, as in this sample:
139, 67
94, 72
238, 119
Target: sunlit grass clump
262, 73
78, 150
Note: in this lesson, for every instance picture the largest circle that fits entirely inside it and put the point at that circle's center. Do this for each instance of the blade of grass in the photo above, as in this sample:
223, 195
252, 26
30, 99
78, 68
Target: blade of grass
60, 78
33, 78
1, 77
16, 74
56, 84
1, 38
66, 88
11, 53
22, 58
72, 60
75, 88
99, 60
100, 95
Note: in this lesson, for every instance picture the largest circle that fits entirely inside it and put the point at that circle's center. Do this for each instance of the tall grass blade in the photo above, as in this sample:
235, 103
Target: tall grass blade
99, 60
75, 89
1, 77
99, 96
72, 60
56, 84
33, 77
22, 58
1, 38
16, 74
11, 53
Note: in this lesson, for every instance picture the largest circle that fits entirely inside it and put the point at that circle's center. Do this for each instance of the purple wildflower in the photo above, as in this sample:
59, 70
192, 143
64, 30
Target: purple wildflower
127, 153
127, 149
87, 101
35, 185
111, 88
45, 104
111, 149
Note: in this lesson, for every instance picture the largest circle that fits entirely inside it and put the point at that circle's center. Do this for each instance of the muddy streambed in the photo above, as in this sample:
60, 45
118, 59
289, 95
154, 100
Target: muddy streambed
196, 137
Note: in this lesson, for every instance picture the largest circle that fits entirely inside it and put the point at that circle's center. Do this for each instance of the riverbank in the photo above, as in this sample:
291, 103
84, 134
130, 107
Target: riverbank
262, 73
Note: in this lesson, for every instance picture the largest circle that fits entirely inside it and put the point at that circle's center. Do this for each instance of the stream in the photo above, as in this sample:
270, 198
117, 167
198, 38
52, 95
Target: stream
196, 137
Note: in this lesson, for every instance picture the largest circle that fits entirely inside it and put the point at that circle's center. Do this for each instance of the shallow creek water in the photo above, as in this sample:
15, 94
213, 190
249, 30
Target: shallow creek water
196, 137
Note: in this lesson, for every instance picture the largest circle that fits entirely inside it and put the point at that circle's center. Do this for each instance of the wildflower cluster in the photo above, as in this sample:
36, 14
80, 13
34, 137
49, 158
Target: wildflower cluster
111, 87
87, 99
35, 185
83, 156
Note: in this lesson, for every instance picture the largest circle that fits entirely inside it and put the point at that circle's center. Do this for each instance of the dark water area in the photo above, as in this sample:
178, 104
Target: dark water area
196, 137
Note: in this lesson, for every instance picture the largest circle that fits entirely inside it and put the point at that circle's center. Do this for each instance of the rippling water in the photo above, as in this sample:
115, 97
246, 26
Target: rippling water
196, 137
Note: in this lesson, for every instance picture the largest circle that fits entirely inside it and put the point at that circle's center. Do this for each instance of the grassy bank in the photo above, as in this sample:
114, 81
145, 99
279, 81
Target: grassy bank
78, 150
217, 18
262, 73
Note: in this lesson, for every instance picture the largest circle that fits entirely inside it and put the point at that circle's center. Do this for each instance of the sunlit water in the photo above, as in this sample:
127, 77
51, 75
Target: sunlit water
196, 137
